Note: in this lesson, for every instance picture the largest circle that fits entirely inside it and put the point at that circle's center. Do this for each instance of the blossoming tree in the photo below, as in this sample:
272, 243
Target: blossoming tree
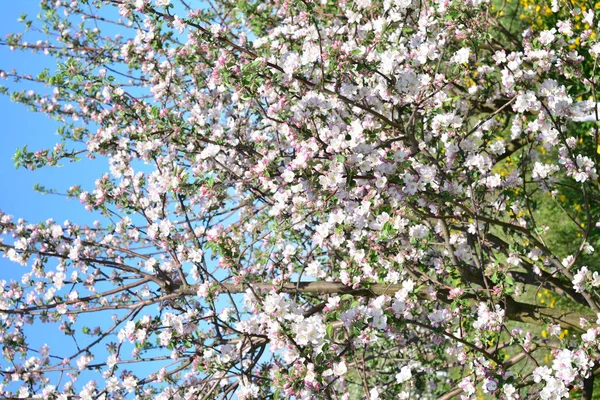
311, 199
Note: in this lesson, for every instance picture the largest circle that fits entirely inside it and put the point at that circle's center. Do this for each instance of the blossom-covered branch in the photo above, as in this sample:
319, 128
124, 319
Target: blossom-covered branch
312, 199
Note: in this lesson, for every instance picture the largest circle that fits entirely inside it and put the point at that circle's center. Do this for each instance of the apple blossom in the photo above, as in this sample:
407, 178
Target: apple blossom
310, 200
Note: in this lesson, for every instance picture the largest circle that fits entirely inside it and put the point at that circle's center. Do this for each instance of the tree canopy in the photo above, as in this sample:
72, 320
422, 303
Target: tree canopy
311, 199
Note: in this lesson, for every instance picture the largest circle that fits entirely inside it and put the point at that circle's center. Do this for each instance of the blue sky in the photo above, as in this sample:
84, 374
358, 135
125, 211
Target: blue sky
22, 127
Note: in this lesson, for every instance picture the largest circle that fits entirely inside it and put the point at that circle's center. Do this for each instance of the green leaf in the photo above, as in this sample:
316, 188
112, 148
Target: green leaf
155, 112
329, 330
494, 277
